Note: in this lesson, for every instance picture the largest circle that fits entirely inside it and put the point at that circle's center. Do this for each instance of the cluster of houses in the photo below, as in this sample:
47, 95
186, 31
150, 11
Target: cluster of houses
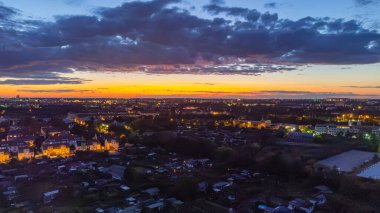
333, 129
293, 135
56, 143
110, 182
149, 200
275, 204
175, 166
244, 123
140, 199
66, 145
296, 205
19, 148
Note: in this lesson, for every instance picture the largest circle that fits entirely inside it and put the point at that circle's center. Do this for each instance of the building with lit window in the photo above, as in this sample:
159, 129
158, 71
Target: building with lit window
25, 153
376, 131
54, 150
111, 145
50, 131
92, 145
331, 129
4, 155
242, 123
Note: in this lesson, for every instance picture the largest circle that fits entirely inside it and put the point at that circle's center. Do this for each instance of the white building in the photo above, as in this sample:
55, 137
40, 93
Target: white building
346, 161
332, 129
376, 131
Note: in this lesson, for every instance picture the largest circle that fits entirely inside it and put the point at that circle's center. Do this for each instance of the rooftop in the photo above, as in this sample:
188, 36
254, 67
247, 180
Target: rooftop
347, 161
371, 172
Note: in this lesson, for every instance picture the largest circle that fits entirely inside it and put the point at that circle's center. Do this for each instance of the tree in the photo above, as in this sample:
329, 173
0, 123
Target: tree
118, 130
189, 146
72, 147
222, 154
186, 188
31, 124
282, 164
38, 143
143, 124
77, 129
57, 122
135, 175
352, 187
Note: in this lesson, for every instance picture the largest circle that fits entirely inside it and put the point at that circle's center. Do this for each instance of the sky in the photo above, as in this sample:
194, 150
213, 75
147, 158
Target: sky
182, 48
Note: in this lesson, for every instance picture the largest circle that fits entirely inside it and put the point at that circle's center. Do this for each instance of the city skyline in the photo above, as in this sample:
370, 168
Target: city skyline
200, 49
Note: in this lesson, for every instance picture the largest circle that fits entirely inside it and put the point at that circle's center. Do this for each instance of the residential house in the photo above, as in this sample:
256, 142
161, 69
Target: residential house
301, 205
116, 171
155, 207
219, 186
152, 191
56, 149
50, 196
111, 145
299, 137
25, 152
4, 155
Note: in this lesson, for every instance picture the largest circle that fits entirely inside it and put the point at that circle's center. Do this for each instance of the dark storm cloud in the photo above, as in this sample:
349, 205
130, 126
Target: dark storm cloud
221, 69
38, 73
169, 39
366, 2
216, 9
7, 12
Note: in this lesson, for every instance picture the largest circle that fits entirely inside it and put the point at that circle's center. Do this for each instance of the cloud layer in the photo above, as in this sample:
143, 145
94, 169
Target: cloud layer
159, 37
366, 2
56, 91
364, 87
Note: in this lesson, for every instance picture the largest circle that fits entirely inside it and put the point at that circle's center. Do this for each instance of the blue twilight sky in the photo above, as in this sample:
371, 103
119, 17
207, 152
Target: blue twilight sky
190, 48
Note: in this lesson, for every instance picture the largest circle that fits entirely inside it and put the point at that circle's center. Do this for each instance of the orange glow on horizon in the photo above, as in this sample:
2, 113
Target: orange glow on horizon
323, 79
